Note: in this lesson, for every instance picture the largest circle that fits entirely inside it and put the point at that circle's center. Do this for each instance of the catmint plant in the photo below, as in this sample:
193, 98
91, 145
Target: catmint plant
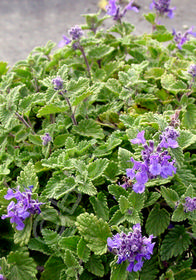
181, 39
132, 247
156, 160
23, 208
115, 11
58, 83
1, 276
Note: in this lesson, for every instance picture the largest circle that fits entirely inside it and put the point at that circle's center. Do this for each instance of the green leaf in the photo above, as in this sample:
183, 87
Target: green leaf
52, 268
137, 200
98, 52
96, 168
186, 139
74, 268
95, 266
117, 191
111, 172
170, 196
89, 128
87, 187
117, 218
124, 204
79, 86
124, 159
58, 186
150, 17
185, 176
22, 237
3, 68
100, 206
28, 177
154, 73
170, 83
178, 154
150, 269
179, 214
175, 242
114, 86
22, 267
118, 271
152, 198
189, 117
82, 250
50, 109
70, 243
158, 220
94, 231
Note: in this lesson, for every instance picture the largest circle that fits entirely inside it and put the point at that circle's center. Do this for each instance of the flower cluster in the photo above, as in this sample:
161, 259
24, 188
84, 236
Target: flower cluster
115, 10
192, 70
23, 208
75, 32
180, 38
155, 160
58, 83
162, 7
46, 139
190, 204
132, 247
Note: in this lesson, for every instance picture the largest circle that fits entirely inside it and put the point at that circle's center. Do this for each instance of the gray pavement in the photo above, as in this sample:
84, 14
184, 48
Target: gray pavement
25, 24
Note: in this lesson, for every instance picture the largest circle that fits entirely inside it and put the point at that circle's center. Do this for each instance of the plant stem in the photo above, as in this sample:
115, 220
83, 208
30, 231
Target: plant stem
86, 61
23, 121
70, 107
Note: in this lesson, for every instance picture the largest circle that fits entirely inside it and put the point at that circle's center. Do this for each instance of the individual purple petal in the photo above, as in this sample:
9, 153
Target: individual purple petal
139, 188
141, 177
130, 173
139, 138
131, 7
9, 194
64, 42
111, 8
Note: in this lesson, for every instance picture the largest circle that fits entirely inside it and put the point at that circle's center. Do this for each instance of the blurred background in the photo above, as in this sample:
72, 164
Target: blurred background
25, 24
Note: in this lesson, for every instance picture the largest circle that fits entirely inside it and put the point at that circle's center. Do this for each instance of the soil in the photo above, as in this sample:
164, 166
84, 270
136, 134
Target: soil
26, 24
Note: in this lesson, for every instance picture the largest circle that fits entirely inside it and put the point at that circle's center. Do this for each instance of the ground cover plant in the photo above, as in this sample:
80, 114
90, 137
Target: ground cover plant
98, 165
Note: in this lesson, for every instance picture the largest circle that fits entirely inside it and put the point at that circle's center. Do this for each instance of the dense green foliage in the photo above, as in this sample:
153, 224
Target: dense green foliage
134, 83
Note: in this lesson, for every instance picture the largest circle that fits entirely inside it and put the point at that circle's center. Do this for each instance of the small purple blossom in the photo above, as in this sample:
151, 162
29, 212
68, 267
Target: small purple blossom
58, 83
192, 70
181, 39
190, 204
156, 161
23, 208
1, 275
114, 10
132, 247
46, 139
75, 32
162, 7
139, 138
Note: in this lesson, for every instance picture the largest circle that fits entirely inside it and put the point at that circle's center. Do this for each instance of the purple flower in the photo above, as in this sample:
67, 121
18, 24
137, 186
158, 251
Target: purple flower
23, 208
168, 138
132, 247
192, 70
75, 32
1, 275
156, 161
190, 204
46, 139
58, 83
180, 38
139, 138
64, 42
162, 7
115, 10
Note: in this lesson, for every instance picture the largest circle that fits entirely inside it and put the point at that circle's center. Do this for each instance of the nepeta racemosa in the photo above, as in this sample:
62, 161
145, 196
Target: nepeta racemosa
181, 39
156, 160
132, 247
192, 70
114, 10
162, 8
58, 83
23, 208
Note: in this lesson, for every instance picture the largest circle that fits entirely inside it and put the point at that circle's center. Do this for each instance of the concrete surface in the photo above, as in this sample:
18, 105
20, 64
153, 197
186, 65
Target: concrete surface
25, 24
